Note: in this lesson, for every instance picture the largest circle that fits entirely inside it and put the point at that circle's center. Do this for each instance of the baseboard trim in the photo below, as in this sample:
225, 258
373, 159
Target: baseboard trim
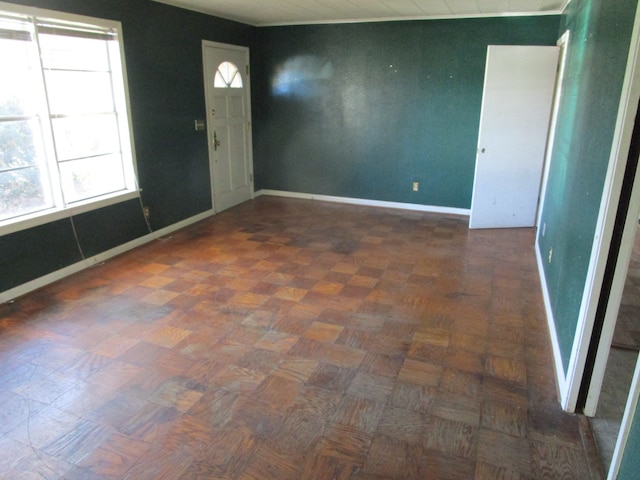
365, 202
561, 378
13, 293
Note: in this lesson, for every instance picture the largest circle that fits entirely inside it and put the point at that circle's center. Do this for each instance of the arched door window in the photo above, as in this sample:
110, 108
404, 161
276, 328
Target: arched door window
227, 76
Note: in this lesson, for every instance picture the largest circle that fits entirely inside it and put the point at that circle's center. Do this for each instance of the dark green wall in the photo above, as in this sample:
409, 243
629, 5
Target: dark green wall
163, 48
596, 62
369, 108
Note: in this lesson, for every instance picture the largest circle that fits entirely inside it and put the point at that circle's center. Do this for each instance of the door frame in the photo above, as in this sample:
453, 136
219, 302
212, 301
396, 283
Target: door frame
584, 340
209, 106
563, 45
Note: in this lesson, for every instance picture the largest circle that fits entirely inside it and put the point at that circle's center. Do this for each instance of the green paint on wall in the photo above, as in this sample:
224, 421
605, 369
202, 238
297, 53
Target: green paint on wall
363, 110
595, 67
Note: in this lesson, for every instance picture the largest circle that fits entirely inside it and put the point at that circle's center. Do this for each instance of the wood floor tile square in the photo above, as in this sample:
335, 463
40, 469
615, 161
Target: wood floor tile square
373, 387
505, 451
451, 437
420, 373
323, 332
115, 455
403, 425
359, 413
276, 341
278, 391
504, 417
331, 377
437, 465
167, 336
321, 467
392, 458
346, 443
269, 463
240, 380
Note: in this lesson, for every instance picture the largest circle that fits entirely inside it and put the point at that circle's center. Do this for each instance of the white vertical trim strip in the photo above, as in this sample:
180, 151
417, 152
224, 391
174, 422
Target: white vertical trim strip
563, 43
553, 332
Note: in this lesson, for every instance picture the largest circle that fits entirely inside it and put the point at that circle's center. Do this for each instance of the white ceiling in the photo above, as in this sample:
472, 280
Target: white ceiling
292, 12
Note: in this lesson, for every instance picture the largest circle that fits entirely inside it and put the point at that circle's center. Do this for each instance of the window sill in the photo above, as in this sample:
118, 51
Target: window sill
47, 216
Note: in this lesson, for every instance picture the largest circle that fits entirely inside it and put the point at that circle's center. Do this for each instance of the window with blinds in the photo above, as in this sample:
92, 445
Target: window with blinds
65, 136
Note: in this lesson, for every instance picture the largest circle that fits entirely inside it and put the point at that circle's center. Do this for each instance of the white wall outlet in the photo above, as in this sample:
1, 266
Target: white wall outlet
415, 186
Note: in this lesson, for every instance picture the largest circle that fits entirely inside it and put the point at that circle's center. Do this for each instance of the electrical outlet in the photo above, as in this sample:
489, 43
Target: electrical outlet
416, 186
550, 254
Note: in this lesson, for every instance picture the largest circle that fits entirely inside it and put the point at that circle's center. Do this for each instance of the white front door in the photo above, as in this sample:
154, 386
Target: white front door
229, 123
514, 121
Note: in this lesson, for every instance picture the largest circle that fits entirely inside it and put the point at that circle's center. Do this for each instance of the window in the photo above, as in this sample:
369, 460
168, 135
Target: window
227, 76
65, 141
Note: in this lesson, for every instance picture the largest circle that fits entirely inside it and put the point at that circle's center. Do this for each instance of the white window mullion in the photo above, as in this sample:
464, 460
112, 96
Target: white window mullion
47, 128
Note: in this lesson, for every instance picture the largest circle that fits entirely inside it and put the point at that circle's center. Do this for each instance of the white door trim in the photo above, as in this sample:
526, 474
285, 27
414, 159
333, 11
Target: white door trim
209, 103
563, 45
604, 228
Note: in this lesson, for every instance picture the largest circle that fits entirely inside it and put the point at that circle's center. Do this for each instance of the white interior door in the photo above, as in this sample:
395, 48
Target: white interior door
514, 122
229, 123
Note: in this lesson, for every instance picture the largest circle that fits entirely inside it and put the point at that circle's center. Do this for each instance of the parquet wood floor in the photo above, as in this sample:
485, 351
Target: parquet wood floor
290, 339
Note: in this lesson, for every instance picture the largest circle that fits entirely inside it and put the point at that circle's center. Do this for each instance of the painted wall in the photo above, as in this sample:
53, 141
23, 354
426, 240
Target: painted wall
363, 110
596, 62
164, 65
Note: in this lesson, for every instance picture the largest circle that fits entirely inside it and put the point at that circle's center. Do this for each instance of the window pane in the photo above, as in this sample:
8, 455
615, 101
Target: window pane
86, 136
227, 76
73, 53
90, 177
22, 192
237, 81
17, 82
20, 144
219, 82
79, 92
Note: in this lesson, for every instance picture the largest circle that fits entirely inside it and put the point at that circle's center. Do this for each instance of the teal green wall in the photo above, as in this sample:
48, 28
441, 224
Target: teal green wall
595, 67
363, 110
630, 467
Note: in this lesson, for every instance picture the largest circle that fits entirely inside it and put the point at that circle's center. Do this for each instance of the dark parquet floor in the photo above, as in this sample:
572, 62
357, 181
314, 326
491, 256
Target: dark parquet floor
290, 339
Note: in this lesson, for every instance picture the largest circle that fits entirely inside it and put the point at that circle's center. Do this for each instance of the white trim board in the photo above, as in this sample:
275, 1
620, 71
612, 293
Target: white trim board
553, 332
365, 202
13, 293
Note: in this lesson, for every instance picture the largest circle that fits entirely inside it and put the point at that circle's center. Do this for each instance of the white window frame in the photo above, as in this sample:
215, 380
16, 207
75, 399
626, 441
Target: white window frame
131, 190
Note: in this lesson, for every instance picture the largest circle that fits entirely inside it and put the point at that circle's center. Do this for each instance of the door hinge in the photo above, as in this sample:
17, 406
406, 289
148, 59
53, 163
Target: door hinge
251, 177
247, 69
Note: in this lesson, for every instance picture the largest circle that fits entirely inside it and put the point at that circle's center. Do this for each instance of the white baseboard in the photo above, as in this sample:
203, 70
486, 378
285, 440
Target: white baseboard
561, 378
365, 202
40, 282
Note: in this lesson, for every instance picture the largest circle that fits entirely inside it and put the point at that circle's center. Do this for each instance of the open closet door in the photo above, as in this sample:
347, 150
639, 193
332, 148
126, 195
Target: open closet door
514, 122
